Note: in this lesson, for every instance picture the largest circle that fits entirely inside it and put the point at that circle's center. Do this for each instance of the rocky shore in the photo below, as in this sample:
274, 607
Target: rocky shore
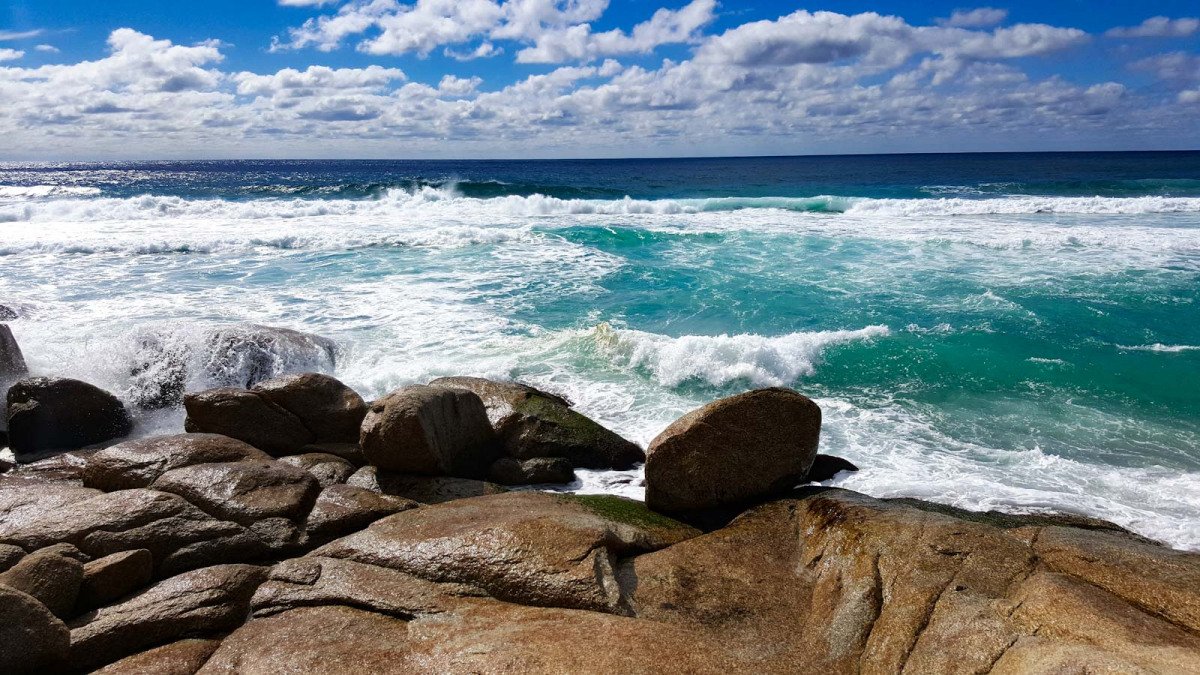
295, 527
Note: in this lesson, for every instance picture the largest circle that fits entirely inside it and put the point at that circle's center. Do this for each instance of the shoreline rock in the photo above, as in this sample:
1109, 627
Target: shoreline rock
53, 414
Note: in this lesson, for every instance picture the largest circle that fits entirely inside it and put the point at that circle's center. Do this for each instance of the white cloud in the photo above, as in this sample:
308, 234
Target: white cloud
10, 54
1158, 26
48, 49
19, 34
981, 17
485, 50
579, 43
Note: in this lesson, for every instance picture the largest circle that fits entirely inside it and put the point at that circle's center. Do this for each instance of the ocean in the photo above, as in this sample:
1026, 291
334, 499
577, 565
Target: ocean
991, 331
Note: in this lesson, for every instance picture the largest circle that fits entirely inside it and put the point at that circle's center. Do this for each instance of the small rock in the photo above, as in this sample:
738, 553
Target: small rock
9, 555
62, 414
205, 601
329, 409
825, 467
342, 509
7, 313
5, 465
423, 489
327, 469
244, 492
184, 657
138, 463
247, 416
12, 361
114, 576
31, 638
50, 575
351, 452
533, 423
732, 450
431, 431
539, 470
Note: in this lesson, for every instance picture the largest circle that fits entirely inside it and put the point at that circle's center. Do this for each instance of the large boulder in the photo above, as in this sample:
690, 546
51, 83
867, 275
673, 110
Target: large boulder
342, 509
329, 409
53, 575
166, 361
206, 601
247, 416
32, 640
534, 423
732, 450
138, 463
528, 547
431, 431
244, 492
62, 414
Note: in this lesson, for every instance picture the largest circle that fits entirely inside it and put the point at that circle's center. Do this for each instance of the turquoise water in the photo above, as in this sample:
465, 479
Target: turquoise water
991, 331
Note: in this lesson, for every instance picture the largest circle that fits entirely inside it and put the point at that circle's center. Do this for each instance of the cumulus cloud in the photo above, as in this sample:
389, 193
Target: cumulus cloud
981, 17
484, 50
805, 81
10, 54
48, 49
579, 43
1158, 27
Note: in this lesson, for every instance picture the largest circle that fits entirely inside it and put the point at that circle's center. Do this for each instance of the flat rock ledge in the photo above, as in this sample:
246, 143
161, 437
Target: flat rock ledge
202, 553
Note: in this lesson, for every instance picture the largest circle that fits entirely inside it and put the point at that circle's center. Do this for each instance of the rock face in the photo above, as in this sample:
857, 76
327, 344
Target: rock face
184, 657
423, 489
330, 410
327, 469
138, 463
247, 416
532, 423
62, 414
732, 450
209, 600
877, 586
571, 545
31, 638
513, 471
431, 431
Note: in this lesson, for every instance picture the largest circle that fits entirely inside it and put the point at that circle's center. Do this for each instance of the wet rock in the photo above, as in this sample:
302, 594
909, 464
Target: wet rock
5, 465
138, 463
513, 471
51, 575
7, 313
733, 450
528, 547
65, 468
533, 423
342, 509
24, 502
351, 452
825, 467
47, 414
327, 469
114, 576
329, 409
244, 492
431, 431
205, 601
9, 555
12, 361
32, 640
423, 489
247, 416
178, 534
184, 657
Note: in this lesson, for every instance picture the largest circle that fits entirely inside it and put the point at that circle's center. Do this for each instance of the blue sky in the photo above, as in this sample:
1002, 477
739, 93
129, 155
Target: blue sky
554, 78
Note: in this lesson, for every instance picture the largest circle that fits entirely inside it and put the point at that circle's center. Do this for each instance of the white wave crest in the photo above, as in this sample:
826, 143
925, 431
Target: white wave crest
1024, 206
44, 191
721, 359
1160, 347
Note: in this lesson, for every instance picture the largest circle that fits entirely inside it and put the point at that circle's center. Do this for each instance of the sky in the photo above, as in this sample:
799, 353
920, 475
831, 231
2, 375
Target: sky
146, 79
